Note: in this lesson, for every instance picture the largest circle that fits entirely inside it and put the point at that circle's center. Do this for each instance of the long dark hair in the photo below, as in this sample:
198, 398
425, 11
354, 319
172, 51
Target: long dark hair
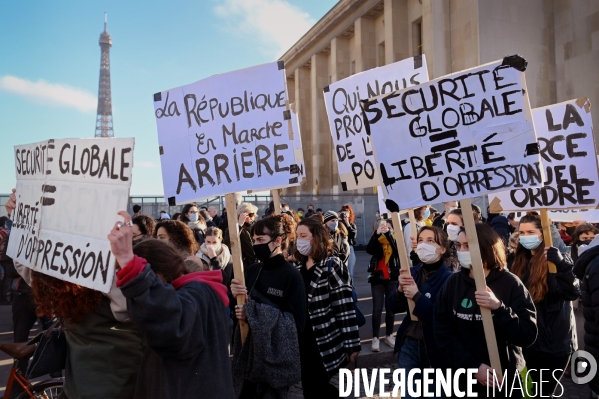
492, 247
532, 266
163, 258
186, 209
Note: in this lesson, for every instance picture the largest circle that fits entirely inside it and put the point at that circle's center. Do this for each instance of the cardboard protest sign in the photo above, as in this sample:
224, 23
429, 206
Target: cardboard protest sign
68, 194
565, 135
352, 145
566, 215
226, 133
456, 137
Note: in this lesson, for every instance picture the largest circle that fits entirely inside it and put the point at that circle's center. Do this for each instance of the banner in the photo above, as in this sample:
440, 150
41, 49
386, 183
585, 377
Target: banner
459, 136
565, 215
226, 133
342, 99
565, 134
68, 194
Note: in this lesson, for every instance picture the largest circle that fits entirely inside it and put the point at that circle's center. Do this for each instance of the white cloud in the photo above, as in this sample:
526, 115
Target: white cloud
275, 23
146, 164
46, 93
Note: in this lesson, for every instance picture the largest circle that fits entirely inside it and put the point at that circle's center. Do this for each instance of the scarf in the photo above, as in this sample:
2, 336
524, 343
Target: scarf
223, 256
383, 264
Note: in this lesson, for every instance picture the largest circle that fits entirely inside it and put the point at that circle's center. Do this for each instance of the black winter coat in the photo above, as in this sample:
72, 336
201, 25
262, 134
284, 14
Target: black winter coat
458, 326
375, 248
587, 270
555, 316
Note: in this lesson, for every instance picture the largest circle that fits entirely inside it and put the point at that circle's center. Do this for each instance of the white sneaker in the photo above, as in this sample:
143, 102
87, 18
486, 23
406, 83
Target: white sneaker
390, 341
375, 345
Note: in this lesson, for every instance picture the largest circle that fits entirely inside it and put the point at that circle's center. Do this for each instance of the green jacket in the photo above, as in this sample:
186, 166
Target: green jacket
103, 357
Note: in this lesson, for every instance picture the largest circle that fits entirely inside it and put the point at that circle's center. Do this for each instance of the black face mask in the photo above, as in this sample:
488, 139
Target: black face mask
263, 252
570, 230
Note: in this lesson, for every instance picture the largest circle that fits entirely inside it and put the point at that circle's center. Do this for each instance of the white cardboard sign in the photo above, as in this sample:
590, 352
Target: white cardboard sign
565, 215
68, 194
459, 136
565, 134
342, 99
226, 133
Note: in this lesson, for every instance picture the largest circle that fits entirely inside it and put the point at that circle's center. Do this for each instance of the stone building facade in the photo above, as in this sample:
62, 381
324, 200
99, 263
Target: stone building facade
559, 38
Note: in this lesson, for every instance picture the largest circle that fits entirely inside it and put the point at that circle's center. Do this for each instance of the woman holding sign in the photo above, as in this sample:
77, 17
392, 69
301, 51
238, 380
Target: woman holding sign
552, 294
458, 323
415, 340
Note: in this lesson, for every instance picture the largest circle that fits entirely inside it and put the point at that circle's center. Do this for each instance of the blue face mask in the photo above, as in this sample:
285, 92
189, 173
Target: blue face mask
427, 213
333, 225
530, 242
193, 217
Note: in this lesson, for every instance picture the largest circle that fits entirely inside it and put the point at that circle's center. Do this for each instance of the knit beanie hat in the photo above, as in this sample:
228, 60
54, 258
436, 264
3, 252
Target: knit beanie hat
329, 215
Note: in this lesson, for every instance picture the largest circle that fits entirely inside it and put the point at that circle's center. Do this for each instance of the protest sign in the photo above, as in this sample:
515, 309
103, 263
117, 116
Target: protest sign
565, 215
226, 133
565, 135
459, 136
352, 145
68, 194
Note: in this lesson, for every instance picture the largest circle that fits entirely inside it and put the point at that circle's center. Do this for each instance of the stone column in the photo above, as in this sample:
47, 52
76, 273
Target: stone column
396, 30
365, 42
303, 102
436, 37
340, 69
322, 147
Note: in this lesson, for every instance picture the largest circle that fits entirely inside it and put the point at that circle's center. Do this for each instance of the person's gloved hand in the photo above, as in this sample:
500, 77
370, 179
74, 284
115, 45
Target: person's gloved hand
553, 255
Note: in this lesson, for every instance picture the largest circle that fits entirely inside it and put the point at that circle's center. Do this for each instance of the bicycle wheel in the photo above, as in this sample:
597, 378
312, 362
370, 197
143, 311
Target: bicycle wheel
45, 390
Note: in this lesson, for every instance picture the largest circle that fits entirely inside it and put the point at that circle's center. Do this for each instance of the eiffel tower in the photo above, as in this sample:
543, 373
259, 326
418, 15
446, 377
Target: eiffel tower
104, 114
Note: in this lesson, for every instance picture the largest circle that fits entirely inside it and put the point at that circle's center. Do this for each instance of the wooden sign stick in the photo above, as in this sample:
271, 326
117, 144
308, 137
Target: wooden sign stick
404, 258
481, 285
547, 237
230, 203
276, 199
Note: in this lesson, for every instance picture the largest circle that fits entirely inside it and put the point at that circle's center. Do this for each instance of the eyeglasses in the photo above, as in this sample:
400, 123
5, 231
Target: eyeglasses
251, 215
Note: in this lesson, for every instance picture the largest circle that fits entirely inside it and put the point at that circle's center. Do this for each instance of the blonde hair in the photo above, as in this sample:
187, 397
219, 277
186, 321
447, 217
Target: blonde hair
246, 207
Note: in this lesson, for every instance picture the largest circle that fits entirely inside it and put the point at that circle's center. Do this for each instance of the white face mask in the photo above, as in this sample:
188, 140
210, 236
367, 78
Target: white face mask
451, 208
453, 231
304, 247
427, 253
464, 258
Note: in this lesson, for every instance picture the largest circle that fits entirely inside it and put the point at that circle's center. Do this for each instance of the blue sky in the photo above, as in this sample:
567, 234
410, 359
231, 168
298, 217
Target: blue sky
50, 59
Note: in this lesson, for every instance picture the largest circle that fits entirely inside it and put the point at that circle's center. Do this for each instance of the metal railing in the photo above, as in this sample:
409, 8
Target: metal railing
365, 206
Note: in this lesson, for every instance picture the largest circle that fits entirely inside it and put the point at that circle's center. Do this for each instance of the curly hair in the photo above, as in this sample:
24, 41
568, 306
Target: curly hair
146, 224
68, 301
180, 236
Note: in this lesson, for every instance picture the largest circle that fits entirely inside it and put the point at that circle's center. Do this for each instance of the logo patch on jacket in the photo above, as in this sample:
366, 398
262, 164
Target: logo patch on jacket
275, 292
466, 303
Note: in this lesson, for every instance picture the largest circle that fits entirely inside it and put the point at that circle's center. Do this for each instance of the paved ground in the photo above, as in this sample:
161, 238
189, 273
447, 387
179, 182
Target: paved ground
367, 359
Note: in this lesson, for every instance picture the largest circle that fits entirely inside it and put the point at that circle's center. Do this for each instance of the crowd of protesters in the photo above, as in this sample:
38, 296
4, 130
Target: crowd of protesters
172, 326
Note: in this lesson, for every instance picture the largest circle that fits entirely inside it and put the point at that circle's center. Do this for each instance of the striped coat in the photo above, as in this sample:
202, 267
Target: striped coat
331, 310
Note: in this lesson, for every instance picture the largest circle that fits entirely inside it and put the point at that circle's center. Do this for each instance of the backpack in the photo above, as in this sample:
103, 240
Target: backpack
6, 261
359, 315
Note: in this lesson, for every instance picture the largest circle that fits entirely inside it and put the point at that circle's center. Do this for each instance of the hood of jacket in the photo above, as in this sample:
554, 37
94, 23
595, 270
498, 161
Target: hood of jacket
213, 278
